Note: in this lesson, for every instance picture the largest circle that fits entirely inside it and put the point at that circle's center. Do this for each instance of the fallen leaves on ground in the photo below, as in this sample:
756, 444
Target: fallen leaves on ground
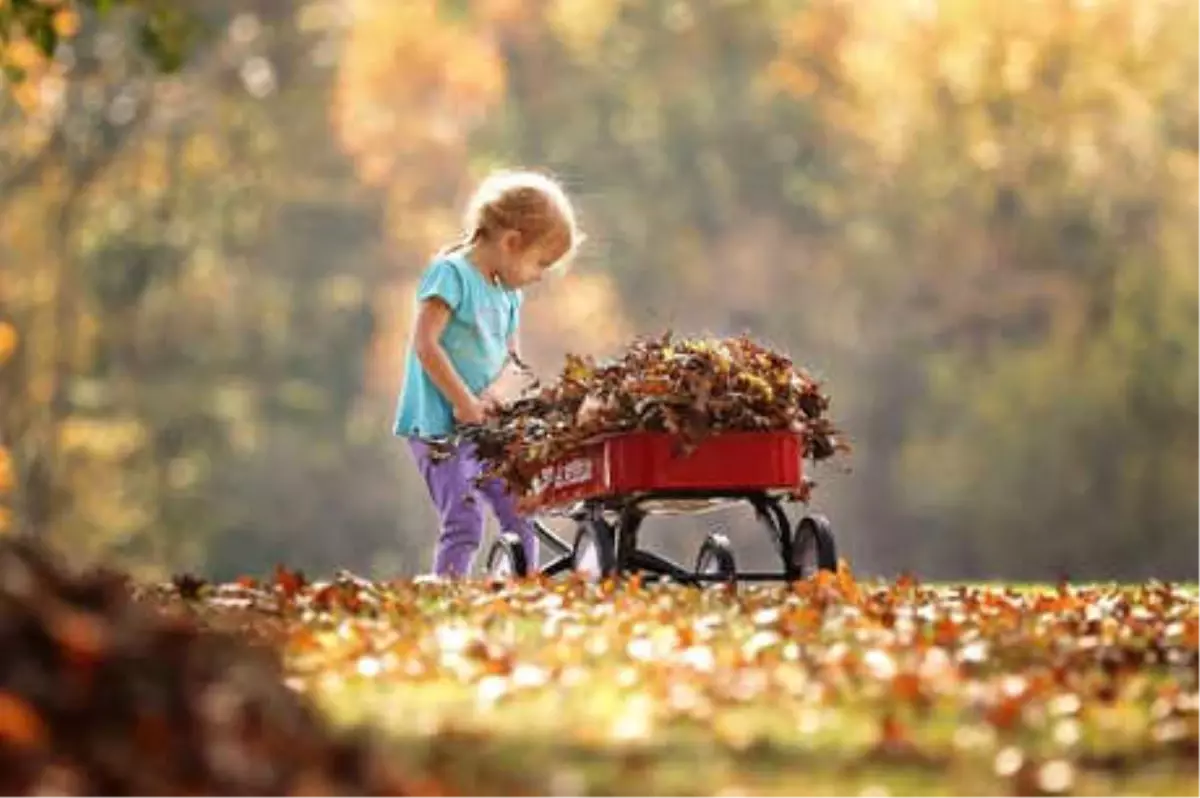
98, 696
826, 685
1039, 689
688, 387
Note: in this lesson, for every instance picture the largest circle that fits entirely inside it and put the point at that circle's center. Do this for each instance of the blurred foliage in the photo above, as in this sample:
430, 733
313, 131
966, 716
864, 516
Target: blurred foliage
8, 343
176, 395
1047, 164
33, 34
974, 218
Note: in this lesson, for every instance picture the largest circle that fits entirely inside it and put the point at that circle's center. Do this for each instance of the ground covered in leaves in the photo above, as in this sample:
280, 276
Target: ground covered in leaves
823, 687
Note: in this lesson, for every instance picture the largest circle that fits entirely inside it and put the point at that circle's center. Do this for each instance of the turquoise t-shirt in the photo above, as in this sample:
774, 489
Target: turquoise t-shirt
483, 317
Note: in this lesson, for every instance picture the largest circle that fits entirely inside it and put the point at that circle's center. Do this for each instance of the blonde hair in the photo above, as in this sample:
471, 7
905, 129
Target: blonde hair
530, 203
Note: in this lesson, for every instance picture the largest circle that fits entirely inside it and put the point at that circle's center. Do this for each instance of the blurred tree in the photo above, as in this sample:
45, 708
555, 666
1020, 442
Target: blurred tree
671, 108
58, 156
58, 159
1027, 179
33, 32
8, 344
220, 306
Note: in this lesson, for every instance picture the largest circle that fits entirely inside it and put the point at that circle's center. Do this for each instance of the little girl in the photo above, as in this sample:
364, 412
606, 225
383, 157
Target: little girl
517, 226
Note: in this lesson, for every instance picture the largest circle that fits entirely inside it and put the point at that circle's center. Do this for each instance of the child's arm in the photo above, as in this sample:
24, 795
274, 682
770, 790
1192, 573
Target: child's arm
432, 318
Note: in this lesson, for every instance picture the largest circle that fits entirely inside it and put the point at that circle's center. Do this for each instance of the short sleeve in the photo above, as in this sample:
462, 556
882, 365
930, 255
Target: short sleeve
443, 281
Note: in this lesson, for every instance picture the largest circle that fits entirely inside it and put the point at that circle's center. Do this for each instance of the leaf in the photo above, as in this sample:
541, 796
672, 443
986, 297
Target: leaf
46, 38
66, 22
7, 471
20, 726
188, 585
113, 695
288, 582
8, 341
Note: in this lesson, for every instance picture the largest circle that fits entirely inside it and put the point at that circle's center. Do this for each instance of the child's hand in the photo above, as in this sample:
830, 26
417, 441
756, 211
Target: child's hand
505, 388
491, 399
473, 412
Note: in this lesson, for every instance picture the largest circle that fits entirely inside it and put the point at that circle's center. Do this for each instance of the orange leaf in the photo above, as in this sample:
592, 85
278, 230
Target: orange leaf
19, 723
893, 733
6, 470
945, 633
66, 23
905, 583
289, 582
81, 636
906, 686
1004, 714
8, 340
1191, 633
846, 583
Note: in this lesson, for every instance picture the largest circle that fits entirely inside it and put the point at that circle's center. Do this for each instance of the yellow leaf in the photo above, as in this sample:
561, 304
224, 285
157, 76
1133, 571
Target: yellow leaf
66, 23
26, 94
581, 24
791, 79
108, 439
8, 340
846, 583
23, 54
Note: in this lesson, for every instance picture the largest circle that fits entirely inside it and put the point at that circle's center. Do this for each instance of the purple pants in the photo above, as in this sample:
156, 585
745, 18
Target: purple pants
451, 483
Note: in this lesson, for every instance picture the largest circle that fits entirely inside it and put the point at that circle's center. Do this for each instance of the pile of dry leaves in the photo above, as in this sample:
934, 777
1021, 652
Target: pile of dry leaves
100, 696
688, 387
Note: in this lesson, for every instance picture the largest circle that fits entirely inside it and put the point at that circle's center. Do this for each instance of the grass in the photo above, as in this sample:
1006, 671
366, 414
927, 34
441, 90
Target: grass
826, 687
546, 745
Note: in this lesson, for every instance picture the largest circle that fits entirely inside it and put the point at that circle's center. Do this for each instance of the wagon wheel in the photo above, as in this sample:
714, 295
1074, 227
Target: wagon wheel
594, 554
813, 548
716, 559
506, 559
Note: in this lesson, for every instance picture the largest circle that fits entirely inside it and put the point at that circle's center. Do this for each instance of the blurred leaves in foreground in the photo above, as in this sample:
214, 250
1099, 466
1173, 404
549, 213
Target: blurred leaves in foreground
99, 695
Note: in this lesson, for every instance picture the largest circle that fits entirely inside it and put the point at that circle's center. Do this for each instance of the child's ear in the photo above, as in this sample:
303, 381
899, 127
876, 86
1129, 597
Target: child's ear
510, 241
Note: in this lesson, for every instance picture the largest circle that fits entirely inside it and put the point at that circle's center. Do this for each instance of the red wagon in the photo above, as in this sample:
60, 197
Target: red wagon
611, 484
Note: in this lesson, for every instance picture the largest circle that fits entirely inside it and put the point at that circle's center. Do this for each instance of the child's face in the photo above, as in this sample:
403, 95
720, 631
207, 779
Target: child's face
524, 266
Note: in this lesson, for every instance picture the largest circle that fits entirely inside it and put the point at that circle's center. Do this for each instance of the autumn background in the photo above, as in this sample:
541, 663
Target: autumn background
974, 219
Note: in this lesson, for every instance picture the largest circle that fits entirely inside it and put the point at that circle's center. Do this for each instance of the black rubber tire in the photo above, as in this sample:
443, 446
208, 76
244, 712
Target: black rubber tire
813, 547
595, 551
506, 559
716, 558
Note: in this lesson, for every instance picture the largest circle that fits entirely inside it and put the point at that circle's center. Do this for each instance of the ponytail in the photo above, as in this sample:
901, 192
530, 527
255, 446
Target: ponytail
464, 241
